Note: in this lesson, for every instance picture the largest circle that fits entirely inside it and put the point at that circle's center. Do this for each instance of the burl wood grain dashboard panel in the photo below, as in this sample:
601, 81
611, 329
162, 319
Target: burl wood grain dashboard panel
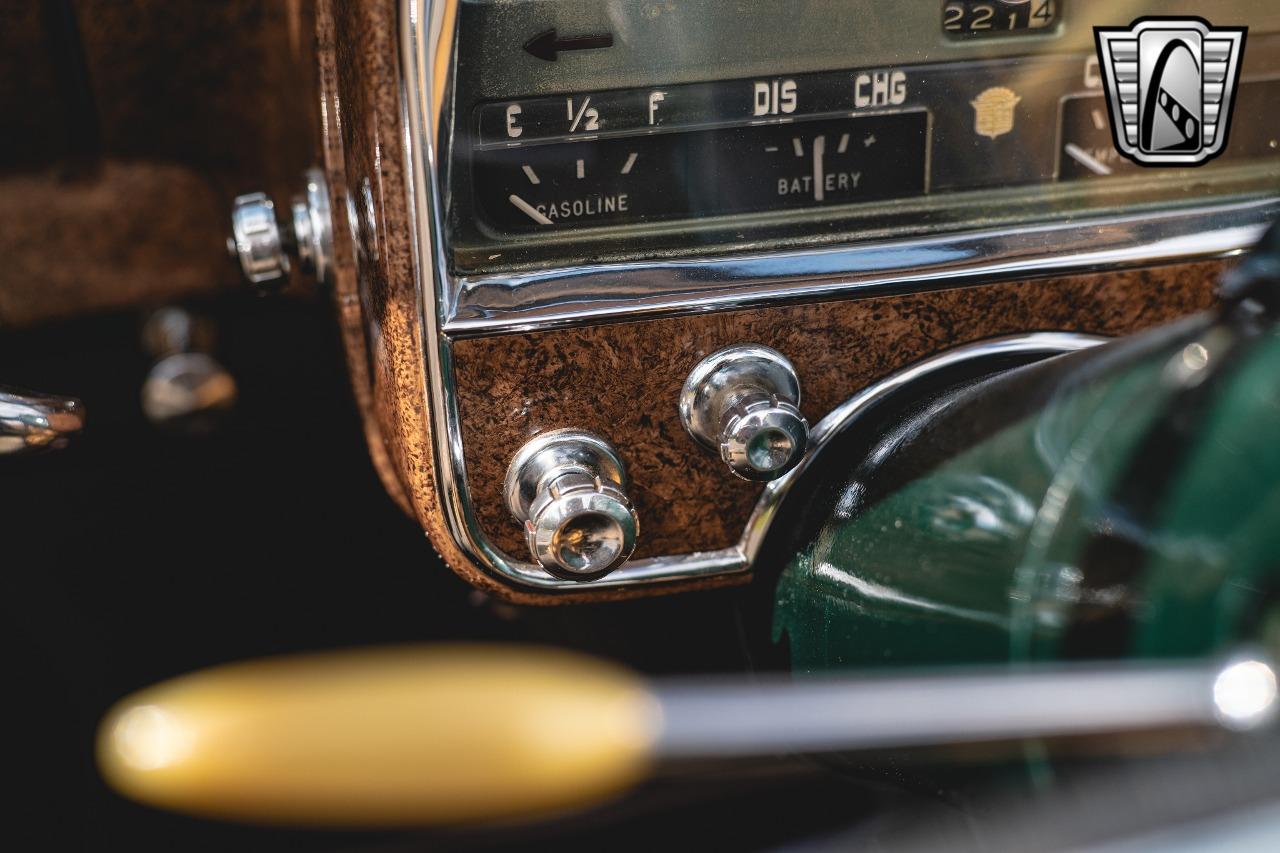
373, 281
622, 381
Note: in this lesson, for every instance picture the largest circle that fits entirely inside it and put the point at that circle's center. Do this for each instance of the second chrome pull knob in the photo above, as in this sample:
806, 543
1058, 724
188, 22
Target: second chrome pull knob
743, 402
568, 488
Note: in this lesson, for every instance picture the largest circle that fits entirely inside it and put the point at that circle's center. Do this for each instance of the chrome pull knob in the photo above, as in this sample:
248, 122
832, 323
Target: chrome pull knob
743, 403
569, 489
31, 422
257, 240
263, 245
187, 388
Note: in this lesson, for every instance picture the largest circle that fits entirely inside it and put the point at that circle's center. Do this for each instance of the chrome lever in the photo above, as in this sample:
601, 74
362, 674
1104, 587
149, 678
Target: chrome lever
844, 713
30, 422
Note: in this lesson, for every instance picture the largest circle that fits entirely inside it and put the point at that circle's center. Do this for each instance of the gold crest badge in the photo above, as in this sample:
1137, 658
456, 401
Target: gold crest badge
993, 111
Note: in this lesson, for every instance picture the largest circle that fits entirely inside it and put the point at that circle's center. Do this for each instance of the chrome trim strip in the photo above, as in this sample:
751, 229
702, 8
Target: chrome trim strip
574, 295
427, 40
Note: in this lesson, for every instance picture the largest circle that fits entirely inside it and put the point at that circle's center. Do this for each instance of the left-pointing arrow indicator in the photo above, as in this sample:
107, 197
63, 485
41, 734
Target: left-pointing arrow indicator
547, 45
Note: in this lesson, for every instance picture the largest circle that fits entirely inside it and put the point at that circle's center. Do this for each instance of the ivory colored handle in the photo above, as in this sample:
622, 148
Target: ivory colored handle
384, 737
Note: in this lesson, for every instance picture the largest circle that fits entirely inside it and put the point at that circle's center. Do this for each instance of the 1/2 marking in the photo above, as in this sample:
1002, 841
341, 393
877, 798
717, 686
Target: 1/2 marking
591, 114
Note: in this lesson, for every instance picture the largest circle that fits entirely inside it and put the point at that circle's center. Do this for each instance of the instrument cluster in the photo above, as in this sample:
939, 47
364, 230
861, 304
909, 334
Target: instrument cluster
641, 228
955, 115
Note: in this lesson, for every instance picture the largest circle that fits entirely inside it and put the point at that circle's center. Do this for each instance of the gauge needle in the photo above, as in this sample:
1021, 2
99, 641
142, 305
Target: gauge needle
819, 149
1087, 160
531, 211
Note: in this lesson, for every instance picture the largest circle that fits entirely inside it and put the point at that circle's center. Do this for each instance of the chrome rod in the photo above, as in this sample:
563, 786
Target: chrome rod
858, 713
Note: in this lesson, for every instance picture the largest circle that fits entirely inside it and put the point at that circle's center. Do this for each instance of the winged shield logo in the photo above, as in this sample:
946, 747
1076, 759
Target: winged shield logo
1170, 84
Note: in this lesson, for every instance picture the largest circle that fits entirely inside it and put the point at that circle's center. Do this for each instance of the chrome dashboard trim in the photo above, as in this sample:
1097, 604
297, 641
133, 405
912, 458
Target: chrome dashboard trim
427, 32
522, 302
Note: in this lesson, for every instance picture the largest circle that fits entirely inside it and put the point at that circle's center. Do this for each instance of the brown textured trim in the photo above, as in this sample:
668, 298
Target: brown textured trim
129, 233
346, 295
622, 381
377, 300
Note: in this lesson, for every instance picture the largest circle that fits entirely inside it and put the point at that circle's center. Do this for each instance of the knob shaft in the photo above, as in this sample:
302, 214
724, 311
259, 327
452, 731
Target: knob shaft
743, 403
568, 488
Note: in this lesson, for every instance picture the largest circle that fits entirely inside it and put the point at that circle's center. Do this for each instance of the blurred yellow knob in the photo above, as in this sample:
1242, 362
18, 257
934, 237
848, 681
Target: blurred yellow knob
384, 737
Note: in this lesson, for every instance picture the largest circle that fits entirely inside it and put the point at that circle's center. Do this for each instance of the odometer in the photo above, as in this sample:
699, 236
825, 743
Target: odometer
968, 18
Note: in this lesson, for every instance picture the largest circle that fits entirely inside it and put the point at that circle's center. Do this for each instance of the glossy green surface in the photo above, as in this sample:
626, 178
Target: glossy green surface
979, 560
1215, 568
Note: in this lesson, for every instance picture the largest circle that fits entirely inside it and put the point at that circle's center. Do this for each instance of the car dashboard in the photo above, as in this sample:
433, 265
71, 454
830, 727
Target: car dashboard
588, 222
871, 401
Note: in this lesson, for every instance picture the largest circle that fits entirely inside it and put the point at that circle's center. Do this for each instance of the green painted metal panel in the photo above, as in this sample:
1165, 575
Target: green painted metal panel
983, 559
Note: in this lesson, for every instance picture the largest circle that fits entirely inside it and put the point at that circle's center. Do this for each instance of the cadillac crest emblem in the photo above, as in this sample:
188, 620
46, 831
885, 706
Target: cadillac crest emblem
994, 111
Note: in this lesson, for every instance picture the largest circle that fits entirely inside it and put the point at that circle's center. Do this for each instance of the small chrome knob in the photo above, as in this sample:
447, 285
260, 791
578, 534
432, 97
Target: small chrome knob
569, 489
743, 403
257, 239
264, 246
187, 388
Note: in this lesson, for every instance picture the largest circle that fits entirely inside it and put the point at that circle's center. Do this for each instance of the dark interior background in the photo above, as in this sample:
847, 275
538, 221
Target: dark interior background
136, 554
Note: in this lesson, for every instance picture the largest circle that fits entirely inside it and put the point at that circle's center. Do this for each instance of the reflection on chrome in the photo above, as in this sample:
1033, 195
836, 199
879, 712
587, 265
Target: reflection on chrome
1244, 694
